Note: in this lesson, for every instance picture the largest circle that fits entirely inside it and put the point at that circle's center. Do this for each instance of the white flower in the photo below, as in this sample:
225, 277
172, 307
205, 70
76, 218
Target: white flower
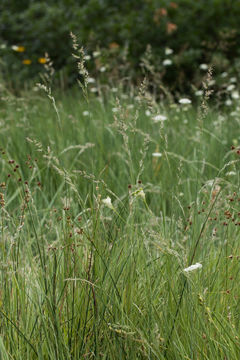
148, 113
85, 113
91, 80
235, 95
102, 69
3, 46
231, 87
203, 66
157, 154
193, 267
96, 53
107, 202
114, 90
159, 118
114, 110
210, 182
94, 90
212, 82
224, 74
130, 106
14, 47
87, 57
167, 62
185, 101
141, 193
233, 79
199, 93
168, 51
228, 102
231, 173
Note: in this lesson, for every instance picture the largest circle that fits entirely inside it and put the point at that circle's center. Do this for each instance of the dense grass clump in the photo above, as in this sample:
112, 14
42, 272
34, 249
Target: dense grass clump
105, 203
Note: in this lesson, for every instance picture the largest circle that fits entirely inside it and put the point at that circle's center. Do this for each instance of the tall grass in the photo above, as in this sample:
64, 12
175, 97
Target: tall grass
82, 279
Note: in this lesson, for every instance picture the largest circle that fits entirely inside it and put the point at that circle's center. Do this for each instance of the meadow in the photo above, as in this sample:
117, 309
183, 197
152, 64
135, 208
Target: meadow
107, 200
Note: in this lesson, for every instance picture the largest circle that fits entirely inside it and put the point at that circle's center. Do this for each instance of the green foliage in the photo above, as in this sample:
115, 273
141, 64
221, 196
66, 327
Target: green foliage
197, 31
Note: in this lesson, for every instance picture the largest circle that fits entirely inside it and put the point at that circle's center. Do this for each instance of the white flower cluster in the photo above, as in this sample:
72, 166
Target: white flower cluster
185, 101
193, 267
107, 202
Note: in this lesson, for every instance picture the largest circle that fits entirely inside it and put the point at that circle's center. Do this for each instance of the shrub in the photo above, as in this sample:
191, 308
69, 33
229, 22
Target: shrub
196, 31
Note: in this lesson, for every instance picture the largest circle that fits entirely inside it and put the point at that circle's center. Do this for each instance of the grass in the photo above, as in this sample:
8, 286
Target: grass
83, 280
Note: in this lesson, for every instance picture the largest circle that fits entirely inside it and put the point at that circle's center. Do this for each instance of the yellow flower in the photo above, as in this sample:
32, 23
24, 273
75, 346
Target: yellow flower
27, 62
18, 48
42, 60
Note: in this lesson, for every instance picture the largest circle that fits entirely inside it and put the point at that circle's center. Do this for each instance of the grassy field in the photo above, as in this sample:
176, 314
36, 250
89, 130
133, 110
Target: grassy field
105, 204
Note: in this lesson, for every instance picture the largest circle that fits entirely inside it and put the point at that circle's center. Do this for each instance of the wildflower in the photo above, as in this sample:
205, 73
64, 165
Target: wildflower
163, 12
159, 118
199, 93
171, 28
158, 14
42, 60
212, 82
224, 74
3, 46
193, 267
167, 62
130, 106
18, 48
94, 90
148, 113
231, 87
96, 53
102, 69
173, 5
85, 113
228, 102
91, 80
157, 154
113, 45
231, 173
203, 66
233, 79
168, 51
27, 62
114, 110
185, 101
235, 95
114, 90
107, 202
87, 57
141, 193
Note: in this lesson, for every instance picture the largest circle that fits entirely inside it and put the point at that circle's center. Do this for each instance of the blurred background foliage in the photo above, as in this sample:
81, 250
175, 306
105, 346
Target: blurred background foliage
198, 32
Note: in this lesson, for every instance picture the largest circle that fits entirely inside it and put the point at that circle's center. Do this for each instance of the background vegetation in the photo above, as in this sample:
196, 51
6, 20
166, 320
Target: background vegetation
197, 31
